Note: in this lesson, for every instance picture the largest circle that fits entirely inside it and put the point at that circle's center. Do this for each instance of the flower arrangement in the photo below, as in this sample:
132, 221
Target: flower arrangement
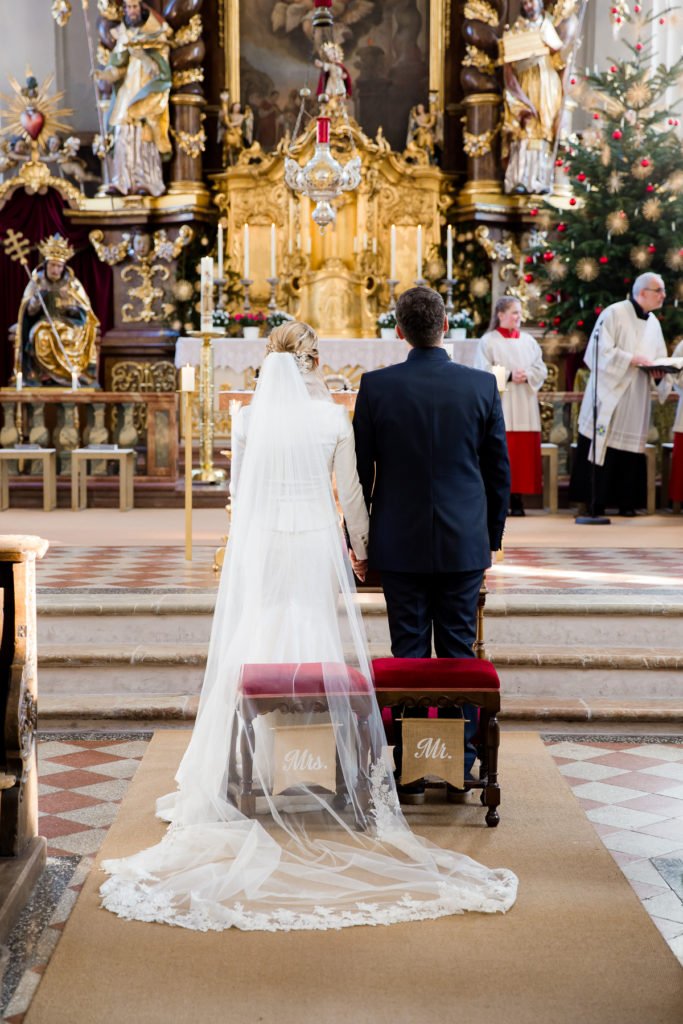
249, 319
276, 318
387, 320
462, 319
221, 319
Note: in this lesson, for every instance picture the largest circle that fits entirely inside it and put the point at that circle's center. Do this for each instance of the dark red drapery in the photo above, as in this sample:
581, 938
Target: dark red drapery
36, 217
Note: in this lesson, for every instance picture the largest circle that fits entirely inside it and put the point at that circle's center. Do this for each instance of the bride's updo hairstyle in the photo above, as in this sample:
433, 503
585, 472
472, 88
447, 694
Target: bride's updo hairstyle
299, 339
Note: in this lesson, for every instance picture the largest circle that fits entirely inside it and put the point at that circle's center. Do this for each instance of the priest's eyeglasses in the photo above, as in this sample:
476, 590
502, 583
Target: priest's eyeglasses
655, 290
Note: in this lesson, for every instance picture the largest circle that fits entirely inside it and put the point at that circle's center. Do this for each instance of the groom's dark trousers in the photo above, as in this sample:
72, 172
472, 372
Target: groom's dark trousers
433, 464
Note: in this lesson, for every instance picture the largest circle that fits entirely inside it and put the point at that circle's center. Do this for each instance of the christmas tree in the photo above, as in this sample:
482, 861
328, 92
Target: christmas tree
626, 214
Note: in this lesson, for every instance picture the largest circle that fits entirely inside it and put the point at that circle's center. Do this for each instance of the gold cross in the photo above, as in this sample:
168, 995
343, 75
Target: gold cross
16, 246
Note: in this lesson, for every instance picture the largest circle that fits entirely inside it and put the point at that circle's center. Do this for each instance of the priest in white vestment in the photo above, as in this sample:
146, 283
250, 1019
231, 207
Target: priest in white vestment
676, 476
626, 337
521, 355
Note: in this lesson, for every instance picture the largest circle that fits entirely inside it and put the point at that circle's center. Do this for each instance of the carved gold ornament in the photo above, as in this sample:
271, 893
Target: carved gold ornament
187, 77
480, 10
191, 143
61, 11
56, 248
189, 33
478, 145
110, 10
476, 58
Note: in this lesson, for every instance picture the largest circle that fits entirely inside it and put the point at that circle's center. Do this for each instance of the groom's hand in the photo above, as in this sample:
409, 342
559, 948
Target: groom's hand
359, 566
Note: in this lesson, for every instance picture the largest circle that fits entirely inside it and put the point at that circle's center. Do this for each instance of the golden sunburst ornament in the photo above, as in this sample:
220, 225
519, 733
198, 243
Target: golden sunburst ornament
638, 95
32, 113
674, 259
557, 269
479, 287
615, 182
652, 208
642, 169
674, 183
640, 257
617, 222
587, 268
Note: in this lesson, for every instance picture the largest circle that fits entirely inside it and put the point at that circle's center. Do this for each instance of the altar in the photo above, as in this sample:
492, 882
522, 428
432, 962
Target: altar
343, 362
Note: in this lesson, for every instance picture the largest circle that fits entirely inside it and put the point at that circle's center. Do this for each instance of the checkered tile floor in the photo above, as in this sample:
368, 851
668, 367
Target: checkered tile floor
523, 570
631, 790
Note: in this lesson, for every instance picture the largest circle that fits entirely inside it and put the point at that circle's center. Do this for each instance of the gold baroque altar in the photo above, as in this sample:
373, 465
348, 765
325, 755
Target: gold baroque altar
336, 280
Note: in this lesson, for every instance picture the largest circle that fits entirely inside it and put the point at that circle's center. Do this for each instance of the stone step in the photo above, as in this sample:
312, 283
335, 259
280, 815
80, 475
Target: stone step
177, 669
551, 620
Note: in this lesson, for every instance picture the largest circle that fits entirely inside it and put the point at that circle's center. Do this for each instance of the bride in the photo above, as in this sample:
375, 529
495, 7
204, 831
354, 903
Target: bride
291, 821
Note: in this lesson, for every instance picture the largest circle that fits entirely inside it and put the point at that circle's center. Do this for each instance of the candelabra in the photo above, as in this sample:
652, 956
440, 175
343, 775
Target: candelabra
246, 283
450, 283
219, 283
392, 282
206, 474
420, 282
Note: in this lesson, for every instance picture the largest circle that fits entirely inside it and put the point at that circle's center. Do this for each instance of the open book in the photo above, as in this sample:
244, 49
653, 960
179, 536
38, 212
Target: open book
669, 364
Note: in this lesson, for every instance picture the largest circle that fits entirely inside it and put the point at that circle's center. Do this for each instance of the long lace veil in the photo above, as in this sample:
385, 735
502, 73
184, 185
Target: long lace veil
287, 661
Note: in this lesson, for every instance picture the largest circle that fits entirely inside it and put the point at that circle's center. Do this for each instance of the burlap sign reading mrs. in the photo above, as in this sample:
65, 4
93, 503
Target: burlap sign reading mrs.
433, 746
305, 755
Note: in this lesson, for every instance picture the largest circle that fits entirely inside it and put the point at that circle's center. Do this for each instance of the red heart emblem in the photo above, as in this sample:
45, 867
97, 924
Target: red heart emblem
32, 122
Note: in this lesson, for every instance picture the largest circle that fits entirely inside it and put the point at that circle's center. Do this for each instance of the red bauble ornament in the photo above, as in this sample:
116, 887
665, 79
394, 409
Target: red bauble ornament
529, 259
557, 320
645, 162
598, 310
579, 323
534, 212
572, 201
637, 8
661, 21
616, 134
603, 260
549, 298
580, 176
572, 81
541, 323
548, 256
561, 228
639, 47
649, 188
596, 117
614, 69
528, 278
558, 162
651, 248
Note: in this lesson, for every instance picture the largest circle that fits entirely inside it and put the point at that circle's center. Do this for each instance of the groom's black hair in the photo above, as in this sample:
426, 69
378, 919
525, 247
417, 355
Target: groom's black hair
420, 314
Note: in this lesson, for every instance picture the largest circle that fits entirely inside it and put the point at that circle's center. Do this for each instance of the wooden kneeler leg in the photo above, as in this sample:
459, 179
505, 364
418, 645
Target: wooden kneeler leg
492, 790
247, 798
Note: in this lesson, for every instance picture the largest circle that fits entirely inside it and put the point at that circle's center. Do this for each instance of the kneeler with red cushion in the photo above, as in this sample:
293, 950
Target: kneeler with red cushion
303, 686
447, 683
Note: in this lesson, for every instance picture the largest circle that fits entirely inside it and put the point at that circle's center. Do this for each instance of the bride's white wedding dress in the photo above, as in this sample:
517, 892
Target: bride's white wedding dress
309, 858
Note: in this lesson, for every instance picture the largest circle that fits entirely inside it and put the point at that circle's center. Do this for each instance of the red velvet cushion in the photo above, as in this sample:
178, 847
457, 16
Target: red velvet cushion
302, 679
435, 674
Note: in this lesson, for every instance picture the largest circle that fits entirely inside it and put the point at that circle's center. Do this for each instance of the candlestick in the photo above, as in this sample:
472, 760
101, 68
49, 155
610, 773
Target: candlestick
419, 252
272, 302
501, 375
246, 250
449, 252
273, 243
220, 251
206, 474
246, 283
19, 380
74, 380
392, 282
450, 283
392, 271
206, 292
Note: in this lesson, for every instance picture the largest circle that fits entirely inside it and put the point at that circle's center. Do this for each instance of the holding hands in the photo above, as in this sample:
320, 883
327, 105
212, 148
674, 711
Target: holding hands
359, 566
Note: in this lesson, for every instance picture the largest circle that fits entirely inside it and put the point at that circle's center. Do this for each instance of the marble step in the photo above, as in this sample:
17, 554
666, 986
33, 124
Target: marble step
567, 672
550, 620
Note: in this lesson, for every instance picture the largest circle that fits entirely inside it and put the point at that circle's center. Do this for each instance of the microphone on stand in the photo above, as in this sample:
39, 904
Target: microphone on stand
593, 519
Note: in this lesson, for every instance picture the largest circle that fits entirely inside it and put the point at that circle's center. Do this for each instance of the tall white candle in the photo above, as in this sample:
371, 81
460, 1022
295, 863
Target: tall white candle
187, 378
246, 251
419, 252
449, 252
19, 381
501, 375
392, 272
374, 247
273, 262
206, 293
220, 250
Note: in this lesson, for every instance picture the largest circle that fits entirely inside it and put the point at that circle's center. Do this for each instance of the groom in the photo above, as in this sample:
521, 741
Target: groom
433, 464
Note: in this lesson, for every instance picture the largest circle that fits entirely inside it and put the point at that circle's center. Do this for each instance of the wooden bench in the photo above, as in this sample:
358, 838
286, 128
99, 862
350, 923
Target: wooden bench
48, 459
449, 683
79, 474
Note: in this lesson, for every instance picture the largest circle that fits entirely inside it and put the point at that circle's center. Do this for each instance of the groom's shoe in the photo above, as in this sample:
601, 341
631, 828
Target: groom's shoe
412, 793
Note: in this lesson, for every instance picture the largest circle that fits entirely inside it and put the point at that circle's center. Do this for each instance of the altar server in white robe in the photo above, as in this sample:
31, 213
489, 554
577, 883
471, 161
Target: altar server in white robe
627, 336
505, 345
676, 477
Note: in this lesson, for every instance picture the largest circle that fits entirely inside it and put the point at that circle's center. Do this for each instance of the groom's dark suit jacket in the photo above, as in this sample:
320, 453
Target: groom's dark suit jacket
433, 464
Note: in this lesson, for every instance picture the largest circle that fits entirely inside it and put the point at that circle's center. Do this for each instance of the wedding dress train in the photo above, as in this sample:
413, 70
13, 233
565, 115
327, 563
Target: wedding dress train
306, 860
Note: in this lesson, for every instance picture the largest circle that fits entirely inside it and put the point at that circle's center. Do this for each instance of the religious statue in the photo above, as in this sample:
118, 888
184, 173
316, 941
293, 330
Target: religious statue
138, 116
57, 329
422, 135
532, 61
335, 79
236, 128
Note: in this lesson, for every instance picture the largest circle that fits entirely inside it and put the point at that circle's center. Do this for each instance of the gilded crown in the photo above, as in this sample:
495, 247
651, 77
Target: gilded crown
56, 248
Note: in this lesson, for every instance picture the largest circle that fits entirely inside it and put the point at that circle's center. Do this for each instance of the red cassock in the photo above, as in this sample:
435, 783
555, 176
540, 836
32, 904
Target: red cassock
524, 449
676, 478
